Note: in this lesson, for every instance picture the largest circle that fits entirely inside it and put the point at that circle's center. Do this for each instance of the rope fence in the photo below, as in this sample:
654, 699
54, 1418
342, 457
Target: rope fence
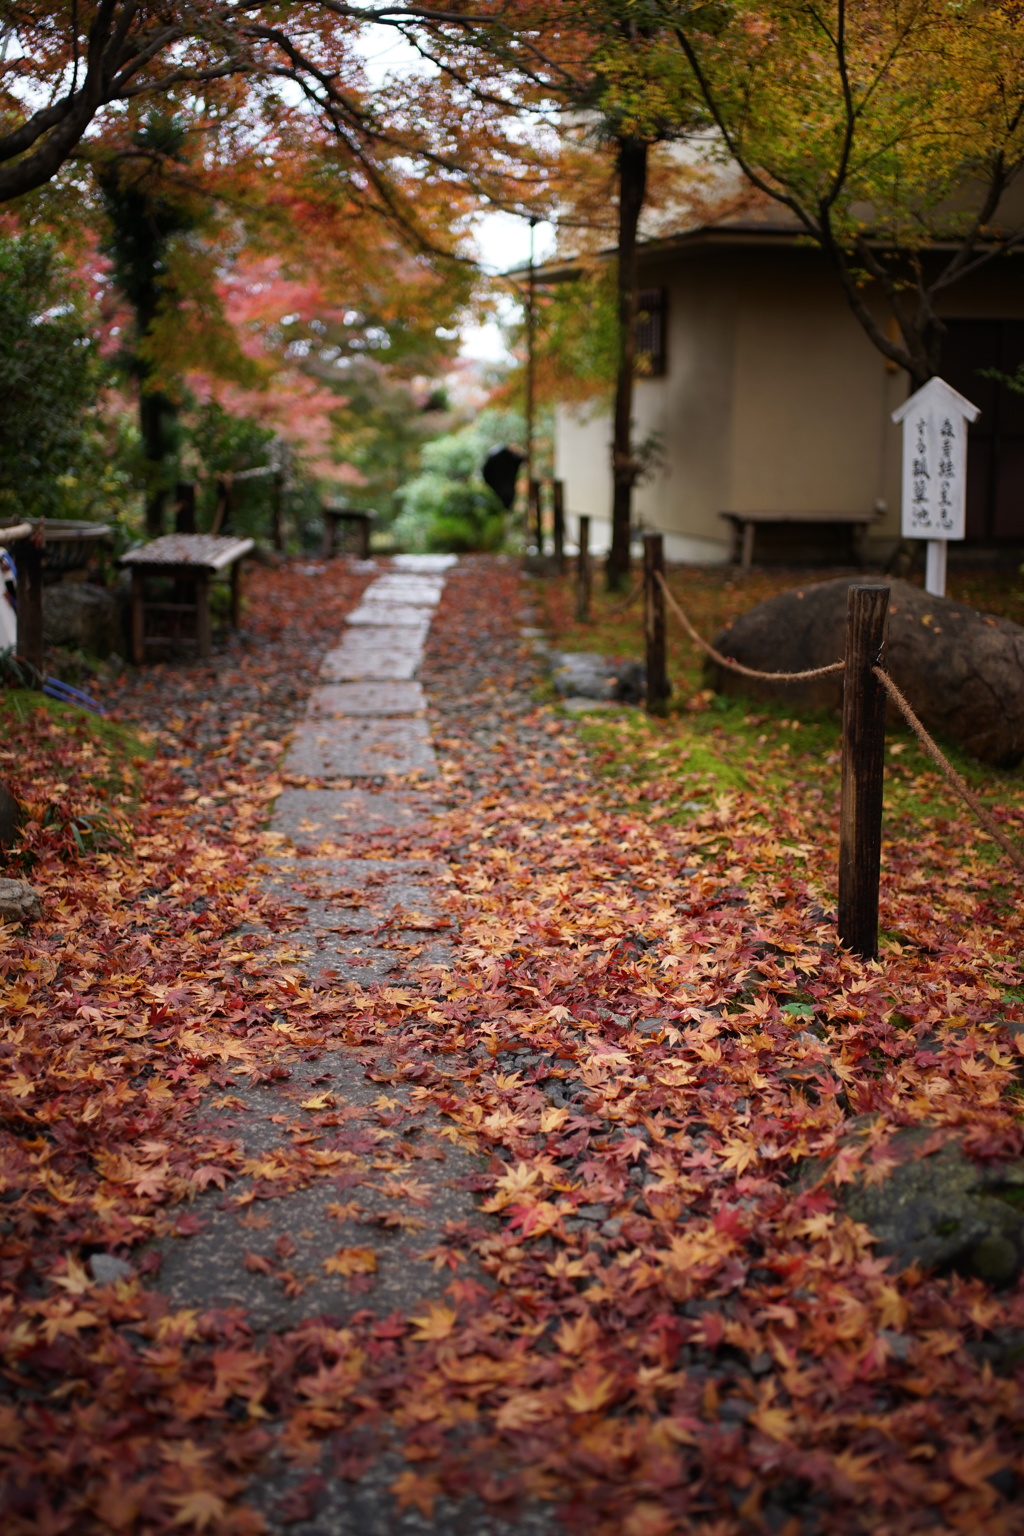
737, 666
867, 690
947, 770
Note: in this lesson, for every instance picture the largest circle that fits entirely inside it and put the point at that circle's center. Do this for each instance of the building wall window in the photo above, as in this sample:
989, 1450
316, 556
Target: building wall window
995, 445
650, 333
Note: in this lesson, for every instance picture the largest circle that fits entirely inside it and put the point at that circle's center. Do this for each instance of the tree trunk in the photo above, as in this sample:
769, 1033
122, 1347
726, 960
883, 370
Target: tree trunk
156, 419
632, 166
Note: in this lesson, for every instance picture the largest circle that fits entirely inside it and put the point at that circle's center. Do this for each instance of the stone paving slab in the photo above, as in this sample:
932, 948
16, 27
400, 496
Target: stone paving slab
365, 654
361, 748
395, 698
424, 563
360, 919
210, 1269
422, 591
391, 614
308, 816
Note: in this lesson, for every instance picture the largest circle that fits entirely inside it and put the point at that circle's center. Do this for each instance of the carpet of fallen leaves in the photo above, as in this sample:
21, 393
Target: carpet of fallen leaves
646, 1031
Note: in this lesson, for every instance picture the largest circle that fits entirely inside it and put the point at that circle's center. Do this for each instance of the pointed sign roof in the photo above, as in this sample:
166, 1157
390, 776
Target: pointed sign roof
940, 396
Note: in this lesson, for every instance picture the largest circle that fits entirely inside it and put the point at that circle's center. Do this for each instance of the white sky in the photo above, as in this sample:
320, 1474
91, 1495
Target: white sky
502, 239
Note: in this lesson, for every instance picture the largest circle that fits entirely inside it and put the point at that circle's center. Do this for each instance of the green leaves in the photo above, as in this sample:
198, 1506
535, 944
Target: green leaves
49, 376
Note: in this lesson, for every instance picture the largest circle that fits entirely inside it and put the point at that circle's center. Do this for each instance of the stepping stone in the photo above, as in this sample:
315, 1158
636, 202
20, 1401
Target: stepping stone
385, 656
388, 615
335, 749
356, 938
314, 815
425, 563
421, 591
366, 699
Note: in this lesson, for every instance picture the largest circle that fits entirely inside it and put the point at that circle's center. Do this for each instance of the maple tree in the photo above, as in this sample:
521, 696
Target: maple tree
893, 133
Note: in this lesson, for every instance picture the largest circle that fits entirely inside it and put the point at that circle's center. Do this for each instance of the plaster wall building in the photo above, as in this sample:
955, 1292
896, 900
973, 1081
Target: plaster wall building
770, 398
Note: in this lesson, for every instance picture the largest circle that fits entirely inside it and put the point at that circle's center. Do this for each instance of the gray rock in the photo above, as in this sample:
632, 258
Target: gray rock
963, 672
19, 902
106, 1269
588, 675
943, 1210
83, 617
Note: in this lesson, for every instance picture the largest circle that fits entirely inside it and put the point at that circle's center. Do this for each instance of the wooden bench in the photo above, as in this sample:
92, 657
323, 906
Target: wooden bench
192, 560
353, 517
746, 524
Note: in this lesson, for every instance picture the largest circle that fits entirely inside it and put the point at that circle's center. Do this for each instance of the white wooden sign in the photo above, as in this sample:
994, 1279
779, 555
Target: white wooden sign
935, 420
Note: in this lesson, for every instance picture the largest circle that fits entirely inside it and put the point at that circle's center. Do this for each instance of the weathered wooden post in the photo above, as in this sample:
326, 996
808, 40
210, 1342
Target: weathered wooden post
583, 574
222, 515
654, 623
138, 618
277, 510
860, 819
537, 514
558, 519
28, 557
185, 506
363, 535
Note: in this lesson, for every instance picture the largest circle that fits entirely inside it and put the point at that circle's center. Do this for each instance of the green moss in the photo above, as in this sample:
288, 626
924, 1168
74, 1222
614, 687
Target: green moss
122, 749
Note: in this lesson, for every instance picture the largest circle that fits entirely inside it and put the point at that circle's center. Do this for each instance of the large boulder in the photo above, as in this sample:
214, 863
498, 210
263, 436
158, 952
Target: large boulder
82, 617
962, 671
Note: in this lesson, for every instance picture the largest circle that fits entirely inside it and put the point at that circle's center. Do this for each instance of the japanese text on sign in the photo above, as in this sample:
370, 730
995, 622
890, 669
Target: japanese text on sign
935, 461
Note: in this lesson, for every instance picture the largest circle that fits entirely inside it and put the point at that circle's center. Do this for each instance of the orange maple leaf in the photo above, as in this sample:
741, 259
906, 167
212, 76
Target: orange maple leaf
199, 1509
351, 1261
590, 1390
974, 1465
417, 1488
436, 1324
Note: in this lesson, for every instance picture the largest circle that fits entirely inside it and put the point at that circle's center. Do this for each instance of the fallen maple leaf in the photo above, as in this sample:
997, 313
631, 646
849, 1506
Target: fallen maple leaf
524, 1411
590, 1390
974, 1465
351, 1261
199, 1509
437, 1323
418, 1489
776, 1423
76, 1278
575, 1337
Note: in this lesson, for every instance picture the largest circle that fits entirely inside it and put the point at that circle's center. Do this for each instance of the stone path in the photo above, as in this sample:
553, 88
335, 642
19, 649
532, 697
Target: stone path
359, 918
366, 718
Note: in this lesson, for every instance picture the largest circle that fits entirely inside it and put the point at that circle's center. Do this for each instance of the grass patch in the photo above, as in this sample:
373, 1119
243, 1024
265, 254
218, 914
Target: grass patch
710, 744
105, 757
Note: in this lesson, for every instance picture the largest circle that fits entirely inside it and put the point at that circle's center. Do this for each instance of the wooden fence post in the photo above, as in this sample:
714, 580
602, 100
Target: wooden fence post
28, 556
185, 507
537, 514
277, 510
654, 623
558, 518
222, 514
583, 574
860, 822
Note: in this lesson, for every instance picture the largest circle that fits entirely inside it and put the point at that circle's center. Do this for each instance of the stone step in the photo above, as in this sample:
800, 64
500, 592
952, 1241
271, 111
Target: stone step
361, 748
376, 699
